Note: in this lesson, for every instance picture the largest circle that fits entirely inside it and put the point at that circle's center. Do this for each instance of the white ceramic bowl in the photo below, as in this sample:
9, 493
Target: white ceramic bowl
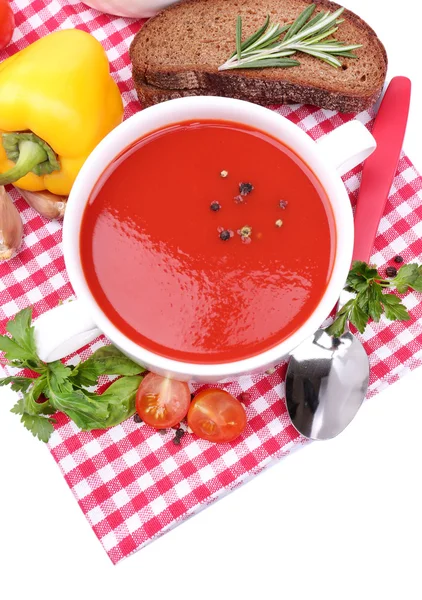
134, 9
70, 326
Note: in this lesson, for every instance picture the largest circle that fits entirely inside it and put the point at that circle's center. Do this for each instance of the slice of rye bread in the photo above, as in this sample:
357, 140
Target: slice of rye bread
177, 53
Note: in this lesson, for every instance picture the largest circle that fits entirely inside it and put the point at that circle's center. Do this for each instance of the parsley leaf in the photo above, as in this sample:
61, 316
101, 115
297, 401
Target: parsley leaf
337, 327
358, 317
18, 408
40, 427
372, 299
375, 296
120, 398
394, 309
408, 276
82, 408
19, 384
107, 360
360, 275
61, 388
20, 350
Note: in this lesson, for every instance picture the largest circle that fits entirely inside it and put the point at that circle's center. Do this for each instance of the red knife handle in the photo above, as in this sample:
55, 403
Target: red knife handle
380, 168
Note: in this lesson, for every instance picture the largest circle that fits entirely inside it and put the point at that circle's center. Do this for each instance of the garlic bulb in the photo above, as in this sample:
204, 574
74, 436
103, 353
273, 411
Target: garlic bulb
11, 228
48, 205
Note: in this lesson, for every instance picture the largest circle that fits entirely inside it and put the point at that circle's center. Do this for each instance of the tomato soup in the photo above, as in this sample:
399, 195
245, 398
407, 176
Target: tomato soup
207, 242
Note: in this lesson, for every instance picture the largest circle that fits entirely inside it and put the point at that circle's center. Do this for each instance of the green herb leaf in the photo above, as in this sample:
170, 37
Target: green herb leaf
407, 276
360, 275
300, 22
239, 37
120, 397
18, 408
31, 406
107, 360
305, 34
23, 333
62, 385
337, 327
370, 300
40, 427
58, 373
394, 308
374, 307
93, 411
19, 384
255, 36
269, 62
82, 408
358, 317
20, 350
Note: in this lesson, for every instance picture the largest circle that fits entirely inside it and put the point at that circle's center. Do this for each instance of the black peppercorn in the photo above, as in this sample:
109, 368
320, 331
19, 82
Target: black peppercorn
180, 432
398, 259
192, 396
225, 235
215, 206
283, 203
391, 271
245, 188
176, 441
244, 397
137, 418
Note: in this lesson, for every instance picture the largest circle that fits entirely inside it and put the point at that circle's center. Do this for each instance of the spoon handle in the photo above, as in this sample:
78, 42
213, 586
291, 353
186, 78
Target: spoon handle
380, 168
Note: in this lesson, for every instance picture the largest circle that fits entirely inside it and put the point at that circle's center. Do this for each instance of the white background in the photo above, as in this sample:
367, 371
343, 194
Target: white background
335, 520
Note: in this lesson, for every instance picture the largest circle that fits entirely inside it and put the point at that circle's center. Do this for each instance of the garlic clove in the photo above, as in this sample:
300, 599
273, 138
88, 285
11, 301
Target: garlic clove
48, 205
11, 227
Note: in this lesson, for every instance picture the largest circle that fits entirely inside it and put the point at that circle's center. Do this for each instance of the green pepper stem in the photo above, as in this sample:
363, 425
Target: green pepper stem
31, 154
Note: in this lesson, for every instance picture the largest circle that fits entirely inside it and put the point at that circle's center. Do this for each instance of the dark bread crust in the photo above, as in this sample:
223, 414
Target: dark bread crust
163, 73
279, 93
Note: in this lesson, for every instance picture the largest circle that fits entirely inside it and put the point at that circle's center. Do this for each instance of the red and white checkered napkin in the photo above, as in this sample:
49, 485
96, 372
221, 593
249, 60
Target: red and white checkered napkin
134, 484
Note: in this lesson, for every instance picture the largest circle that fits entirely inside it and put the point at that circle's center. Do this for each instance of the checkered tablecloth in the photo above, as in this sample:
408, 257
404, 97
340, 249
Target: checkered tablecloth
131, 483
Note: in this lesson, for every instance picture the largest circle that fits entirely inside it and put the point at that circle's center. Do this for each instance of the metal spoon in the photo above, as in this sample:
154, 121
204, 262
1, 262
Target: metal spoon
327, 378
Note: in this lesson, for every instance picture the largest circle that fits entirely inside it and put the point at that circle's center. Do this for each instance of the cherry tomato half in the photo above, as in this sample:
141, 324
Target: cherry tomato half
7, 23
216, 416
162, 402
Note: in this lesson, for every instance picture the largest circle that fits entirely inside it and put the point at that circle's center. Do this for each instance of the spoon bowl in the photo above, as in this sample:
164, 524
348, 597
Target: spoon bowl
326, 382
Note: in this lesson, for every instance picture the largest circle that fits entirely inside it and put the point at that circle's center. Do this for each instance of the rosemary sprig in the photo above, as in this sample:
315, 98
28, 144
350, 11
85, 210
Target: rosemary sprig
310, 35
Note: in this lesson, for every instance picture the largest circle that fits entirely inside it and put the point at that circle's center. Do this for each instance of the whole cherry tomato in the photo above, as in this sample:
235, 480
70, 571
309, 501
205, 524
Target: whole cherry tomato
216, 416
7, 23
162, 402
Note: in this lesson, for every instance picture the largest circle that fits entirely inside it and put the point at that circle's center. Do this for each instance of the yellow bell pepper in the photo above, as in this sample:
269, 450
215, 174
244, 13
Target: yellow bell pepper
57, 101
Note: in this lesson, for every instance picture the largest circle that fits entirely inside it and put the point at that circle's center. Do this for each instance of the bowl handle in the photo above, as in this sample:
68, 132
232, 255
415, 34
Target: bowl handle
63, 330
347, 146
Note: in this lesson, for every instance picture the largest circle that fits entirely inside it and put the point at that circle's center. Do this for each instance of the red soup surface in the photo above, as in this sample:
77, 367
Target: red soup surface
154, 251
